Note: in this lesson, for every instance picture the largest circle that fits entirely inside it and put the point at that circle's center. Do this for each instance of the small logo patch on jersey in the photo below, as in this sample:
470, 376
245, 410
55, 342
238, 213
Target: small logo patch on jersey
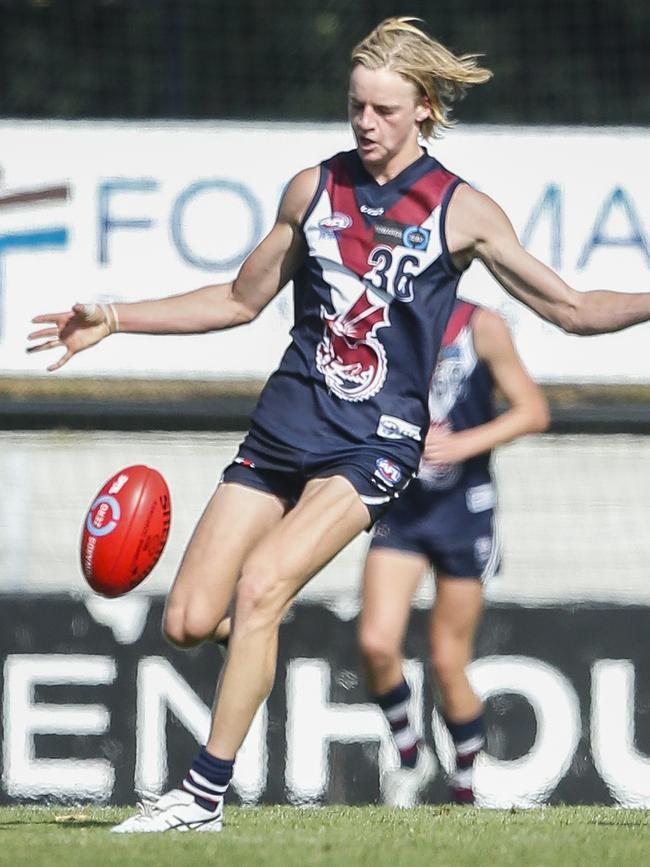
397, 234
387, 471
391, 427
372, 212
336, 222
416, 238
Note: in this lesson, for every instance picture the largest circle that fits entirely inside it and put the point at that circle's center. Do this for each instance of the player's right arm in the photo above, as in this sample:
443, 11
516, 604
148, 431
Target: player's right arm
211, 308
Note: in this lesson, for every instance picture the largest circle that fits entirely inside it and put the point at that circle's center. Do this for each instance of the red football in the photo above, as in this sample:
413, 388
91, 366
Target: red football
125, 530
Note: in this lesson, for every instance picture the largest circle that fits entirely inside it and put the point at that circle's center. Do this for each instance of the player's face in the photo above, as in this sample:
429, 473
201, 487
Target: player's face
385, 112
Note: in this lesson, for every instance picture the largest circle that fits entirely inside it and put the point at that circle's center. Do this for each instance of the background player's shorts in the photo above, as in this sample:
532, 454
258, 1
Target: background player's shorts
455, 530
276, 469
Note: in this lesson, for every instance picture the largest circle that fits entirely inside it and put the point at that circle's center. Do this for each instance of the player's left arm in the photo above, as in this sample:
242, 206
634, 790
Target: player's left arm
527, 411
478, 228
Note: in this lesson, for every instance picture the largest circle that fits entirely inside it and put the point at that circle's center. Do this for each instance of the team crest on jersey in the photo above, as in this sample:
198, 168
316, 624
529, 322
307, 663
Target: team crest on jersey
450, 380
350, 357
336, 222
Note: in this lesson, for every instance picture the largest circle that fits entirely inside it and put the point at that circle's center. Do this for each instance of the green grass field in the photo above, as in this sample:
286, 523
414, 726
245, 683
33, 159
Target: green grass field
336, 837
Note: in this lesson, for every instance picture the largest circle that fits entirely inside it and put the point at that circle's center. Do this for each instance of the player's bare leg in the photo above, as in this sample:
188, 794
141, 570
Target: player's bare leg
390, 580
235, 523
204, 585
327, 516
454, 620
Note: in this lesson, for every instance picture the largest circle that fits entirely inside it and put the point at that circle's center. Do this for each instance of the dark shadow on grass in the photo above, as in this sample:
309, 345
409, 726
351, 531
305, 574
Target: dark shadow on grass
52, 823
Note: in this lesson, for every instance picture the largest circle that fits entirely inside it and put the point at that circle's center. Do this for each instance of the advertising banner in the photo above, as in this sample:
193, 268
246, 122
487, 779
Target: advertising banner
572, 514
95, 705
125, 211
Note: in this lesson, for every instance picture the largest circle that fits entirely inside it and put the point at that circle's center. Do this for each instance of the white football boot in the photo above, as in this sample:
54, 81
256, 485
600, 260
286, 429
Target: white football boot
400, 787
175, 811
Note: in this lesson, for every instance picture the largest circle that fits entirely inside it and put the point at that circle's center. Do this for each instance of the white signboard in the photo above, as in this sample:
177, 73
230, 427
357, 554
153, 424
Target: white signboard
123, 211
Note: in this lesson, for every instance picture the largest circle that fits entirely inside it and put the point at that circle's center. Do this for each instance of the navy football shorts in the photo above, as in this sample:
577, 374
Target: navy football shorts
455, 530
277, 469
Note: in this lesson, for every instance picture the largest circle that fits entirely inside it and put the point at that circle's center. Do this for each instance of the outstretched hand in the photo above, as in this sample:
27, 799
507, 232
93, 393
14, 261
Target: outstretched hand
76, 329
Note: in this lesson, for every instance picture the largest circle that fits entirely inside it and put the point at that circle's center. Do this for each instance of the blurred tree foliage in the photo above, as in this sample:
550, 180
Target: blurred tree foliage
555, 61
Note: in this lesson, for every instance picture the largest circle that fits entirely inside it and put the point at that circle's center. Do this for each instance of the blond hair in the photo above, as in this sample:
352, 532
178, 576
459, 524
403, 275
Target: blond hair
438, 75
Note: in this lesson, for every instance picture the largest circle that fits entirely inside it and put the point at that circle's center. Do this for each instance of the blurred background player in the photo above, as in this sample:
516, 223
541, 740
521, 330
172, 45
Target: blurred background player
375, 240
445, 520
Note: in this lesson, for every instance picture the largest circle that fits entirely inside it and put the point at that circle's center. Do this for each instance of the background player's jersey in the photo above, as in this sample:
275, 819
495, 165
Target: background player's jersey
461, 396
372, 298
447, 513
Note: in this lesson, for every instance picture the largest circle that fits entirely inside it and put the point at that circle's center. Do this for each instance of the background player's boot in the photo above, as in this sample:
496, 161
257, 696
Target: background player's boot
400, 787
461, 786
175, 811
469, 740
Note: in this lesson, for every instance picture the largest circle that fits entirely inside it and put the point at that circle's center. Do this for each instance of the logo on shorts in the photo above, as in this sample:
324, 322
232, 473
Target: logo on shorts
245, 462
349, 355
391, 427
482, 549
387, 471
336, 222
480, 498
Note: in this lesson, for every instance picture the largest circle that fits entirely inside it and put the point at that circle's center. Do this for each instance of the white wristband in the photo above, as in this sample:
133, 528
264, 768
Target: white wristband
111, 317
116, 320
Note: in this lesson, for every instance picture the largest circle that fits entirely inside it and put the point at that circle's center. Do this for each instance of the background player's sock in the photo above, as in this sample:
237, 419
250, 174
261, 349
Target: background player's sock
394, 705
208, 779
469, 740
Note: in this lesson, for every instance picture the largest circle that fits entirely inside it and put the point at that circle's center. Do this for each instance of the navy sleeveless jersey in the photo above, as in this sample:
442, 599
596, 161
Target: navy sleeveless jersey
461, 396
372, 298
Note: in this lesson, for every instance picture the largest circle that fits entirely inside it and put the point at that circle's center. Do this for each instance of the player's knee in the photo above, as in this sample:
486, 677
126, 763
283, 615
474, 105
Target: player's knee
379, 651
448, 661
259, 599
183, 627
173, 630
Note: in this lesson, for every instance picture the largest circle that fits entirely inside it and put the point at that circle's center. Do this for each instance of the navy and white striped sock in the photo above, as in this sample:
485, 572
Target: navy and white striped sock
469, 740
208, 779
394, 705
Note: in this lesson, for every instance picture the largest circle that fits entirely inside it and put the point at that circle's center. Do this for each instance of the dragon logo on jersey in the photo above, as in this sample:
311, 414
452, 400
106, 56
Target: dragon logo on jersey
350, 356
